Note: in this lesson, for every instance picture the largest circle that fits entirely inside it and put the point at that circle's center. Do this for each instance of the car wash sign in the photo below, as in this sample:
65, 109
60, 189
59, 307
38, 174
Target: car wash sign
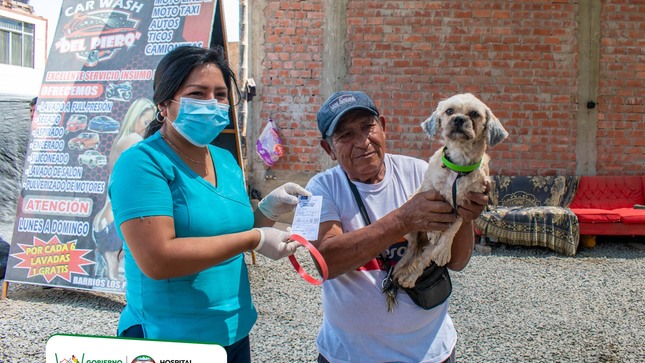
86, 37
94, 102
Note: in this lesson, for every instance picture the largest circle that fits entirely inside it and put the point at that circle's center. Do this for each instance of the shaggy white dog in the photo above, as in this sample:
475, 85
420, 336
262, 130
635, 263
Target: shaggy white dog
467, 127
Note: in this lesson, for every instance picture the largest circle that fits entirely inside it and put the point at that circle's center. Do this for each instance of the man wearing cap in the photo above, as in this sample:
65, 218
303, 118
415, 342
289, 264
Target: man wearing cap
356, 325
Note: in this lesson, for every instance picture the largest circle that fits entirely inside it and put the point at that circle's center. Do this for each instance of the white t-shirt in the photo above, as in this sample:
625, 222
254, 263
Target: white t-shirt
356, 325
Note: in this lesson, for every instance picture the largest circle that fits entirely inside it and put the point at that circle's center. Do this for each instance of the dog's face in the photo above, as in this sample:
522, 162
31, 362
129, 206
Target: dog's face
465, 120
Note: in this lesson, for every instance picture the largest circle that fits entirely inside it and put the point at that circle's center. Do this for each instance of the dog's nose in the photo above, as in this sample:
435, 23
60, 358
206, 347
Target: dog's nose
459, 121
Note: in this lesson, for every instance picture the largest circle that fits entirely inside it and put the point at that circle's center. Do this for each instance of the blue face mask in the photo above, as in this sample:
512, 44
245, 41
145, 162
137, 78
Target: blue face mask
200, 121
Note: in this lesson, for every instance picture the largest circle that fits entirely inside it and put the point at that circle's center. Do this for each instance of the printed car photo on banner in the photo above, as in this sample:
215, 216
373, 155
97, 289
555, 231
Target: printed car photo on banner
95, 102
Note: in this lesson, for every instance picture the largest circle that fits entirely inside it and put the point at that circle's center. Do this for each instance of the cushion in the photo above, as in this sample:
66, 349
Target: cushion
532, 191
592, 215
631, 215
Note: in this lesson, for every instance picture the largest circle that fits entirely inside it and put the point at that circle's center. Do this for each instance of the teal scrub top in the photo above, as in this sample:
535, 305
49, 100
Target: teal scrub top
214, 305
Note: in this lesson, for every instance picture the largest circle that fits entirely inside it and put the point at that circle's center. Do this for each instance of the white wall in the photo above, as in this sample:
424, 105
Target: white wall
21, 80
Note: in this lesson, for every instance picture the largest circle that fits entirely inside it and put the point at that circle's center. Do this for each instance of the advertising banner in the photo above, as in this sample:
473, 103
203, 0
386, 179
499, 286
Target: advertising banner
95, 101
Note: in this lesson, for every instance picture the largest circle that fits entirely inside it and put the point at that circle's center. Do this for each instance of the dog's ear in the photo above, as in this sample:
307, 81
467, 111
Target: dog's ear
494, 129
430, 125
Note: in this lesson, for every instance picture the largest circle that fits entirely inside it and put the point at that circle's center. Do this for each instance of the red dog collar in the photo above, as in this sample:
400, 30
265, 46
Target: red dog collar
314, 252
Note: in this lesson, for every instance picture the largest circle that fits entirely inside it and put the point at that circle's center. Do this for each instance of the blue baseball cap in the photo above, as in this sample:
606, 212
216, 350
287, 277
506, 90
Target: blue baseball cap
338, 105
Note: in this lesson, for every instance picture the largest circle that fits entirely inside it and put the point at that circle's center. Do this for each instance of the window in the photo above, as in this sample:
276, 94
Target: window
16, 43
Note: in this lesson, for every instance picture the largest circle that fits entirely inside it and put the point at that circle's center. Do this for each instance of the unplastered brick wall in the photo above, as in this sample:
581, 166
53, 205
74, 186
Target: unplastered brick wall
621, 101
520, 57
517, 56
292, 77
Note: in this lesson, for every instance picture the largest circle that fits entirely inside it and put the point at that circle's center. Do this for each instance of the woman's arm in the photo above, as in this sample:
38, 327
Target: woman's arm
279, 201
260, 220
160, 255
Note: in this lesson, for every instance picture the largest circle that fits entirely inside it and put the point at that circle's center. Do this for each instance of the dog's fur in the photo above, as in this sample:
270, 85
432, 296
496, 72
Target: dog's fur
467, 127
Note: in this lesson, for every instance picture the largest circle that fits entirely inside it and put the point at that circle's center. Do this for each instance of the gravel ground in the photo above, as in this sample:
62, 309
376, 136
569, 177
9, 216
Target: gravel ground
516, 304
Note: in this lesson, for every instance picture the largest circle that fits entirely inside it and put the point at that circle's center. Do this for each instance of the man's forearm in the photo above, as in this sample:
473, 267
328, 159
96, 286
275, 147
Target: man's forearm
344, 252
462, 247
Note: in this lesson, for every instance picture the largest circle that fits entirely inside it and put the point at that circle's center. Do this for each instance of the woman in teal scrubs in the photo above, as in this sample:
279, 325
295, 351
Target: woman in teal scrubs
185, 216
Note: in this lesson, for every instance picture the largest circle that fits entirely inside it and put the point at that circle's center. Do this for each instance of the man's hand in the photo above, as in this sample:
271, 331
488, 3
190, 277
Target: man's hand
426, 211
475, 204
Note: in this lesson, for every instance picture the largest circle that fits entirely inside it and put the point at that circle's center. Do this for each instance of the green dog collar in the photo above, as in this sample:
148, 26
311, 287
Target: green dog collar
458, 168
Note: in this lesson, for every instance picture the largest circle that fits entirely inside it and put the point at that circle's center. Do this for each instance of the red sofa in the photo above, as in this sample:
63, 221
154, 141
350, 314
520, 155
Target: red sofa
604, 205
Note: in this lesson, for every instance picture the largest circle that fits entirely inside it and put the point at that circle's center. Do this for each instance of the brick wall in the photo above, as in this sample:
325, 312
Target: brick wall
621, 101
292, 79
520, 57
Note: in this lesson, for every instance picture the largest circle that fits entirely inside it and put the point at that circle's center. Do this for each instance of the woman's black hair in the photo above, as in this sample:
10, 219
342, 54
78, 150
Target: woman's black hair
174, 68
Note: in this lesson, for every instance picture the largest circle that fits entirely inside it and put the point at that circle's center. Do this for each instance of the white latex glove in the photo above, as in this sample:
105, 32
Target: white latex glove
275, 243
281, 200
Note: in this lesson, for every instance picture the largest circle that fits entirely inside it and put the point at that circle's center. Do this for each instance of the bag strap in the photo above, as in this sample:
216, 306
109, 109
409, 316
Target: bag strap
359, 201
366, 218
388, 286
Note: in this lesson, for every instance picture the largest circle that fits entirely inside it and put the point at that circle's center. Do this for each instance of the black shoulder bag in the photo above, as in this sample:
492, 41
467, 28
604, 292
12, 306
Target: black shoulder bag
431, 289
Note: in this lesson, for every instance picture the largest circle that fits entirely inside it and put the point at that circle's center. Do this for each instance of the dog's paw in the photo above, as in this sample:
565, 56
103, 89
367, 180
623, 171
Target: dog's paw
404, 274
407, 282
406, 277
441, 256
